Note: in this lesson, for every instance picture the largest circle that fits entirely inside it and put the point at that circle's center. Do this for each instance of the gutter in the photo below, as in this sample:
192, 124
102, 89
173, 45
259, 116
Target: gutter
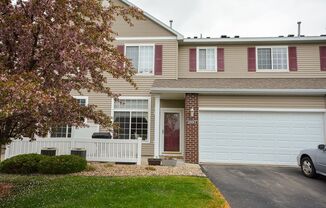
241, 91
310, 39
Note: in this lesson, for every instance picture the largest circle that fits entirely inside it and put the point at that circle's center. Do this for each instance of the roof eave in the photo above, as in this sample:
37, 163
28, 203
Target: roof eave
159, 22
310, 39
241, 91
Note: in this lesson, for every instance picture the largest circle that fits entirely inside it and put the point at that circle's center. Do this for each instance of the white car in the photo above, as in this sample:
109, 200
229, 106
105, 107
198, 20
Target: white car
313, 161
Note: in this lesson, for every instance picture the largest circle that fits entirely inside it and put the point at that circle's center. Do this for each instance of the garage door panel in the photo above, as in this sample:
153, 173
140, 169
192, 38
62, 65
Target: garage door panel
257, 137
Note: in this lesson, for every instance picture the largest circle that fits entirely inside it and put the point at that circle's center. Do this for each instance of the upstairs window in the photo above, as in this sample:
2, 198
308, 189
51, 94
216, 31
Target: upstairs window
272, 58
207, 59
142, 58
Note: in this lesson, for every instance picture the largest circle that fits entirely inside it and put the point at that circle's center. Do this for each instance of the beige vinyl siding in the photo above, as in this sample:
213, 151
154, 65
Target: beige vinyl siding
236, 66
172, 103
144, 84
141, 28
311, 102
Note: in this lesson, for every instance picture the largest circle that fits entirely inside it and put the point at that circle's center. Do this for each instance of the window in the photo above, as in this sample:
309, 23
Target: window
272, 58
61, 132
207, 58
65, 131
132, 118
142, 58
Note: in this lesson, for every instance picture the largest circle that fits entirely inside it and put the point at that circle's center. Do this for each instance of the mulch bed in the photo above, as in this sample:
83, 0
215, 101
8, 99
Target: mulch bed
102, 169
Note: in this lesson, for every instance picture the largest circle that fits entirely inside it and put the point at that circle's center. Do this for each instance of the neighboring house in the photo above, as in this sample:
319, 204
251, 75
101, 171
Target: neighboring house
228, 100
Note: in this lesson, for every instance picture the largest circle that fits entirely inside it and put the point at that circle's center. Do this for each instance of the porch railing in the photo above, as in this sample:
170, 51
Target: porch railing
112, 150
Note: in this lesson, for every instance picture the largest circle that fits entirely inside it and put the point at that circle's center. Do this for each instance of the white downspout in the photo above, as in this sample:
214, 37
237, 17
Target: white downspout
157, 127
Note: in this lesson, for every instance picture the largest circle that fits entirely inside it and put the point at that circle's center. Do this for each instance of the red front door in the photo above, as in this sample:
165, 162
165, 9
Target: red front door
172, 132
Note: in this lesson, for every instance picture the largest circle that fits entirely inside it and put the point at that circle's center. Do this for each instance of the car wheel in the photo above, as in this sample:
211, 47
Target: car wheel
308, 168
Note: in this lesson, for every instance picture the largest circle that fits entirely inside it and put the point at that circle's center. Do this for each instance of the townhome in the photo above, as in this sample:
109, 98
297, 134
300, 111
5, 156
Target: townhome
230, 100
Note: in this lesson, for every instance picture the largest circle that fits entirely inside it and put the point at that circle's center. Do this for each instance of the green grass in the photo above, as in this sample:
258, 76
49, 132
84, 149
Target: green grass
78, 191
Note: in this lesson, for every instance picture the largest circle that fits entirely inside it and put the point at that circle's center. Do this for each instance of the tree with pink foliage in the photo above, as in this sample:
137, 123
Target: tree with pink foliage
49, 48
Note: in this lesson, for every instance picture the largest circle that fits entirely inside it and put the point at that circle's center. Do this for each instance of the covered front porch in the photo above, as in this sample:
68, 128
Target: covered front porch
175, 114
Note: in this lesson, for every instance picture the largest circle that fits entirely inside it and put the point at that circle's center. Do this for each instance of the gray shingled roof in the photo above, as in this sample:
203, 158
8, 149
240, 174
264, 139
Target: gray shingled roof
211, 85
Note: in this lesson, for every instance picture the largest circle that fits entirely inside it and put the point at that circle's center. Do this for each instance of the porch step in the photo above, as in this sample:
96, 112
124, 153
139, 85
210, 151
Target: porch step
172, 157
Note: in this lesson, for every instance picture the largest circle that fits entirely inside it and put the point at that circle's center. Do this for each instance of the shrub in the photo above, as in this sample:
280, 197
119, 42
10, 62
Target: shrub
62, 164
21, 164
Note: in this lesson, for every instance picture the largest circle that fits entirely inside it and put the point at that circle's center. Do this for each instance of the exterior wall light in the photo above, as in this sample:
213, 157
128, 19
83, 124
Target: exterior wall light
192, 112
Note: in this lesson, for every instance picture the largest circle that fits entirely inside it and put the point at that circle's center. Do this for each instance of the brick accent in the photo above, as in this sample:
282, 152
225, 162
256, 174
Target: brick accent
191, 128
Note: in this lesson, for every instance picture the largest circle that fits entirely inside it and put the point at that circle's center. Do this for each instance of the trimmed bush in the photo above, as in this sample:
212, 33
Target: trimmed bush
62, 164
21, 164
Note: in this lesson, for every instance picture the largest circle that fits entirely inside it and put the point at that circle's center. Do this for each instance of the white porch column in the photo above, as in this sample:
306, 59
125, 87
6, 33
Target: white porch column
157, 127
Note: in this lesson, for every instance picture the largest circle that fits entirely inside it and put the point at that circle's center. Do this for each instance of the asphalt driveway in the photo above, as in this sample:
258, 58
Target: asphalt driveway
267, 186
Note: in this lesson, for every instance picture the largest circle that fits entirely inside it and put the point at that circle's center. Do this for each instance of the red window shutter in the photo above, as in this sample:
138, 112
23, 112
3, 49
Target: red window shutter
158, 59
322, 52
192, 60
121, 49
293, 64
220, 59
251, 59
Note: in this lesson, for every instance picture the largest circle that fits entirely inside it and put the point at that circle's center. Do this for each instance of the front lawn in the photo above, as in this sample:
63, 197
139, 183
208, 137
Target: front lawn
80, 191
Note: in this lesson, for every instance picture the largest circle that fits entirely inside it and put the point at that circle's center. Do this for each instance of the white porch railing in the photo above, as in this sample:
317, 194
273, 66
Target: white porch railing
112, 150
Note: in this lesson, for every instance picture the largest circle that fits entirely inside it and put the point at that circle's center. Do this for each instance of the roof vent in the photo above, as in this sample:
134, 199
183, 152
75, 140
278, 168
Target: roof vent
323, 35
237, 36
224, 36
299, 29
290, 35
171, 23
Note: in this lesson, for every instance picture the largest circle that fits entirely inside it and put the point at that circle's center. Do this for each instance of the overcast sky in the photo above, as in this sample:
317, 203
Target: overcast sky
246, 18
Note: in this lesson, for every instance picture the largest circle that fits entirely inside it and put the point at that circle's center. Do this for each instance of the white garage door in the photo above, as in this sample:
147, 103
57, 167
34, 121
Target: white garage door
257, 137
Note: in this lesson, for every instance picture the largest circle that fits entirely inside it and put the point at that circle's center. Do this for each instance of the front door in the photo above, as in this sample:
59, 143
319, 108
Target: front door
171, 131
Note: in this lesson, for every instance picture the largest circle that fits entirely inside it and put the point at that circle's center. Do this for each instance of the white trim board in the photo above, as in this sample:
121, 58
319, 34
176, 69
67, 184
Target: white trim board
240, 91
303, 110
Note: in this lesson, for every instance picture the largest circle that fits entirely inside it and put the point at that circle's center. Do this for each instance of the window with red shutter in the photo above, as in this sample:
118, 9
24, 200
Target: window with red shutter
293, 65
322, 52
251, 59
220, 59
158, 59
192, 59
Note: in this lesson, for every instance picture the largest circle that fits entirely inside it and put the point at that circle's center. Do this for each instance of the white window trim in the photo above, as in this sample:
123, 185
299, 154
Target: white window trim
142, 44
272, 70
133, 110
86, 103
197, 58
